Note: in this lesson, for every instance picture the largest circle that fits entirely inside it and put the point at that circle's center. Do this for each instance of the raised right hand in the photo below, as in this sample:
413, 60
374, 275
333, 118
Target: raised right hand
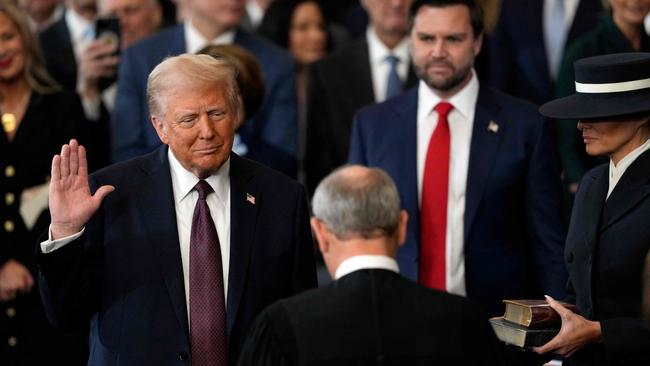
71, 203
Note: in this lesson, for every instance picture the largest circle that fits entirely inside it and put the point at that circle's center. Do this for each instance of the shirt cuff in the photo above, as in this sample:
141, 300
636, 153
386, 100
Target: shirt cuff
91, 108
50, 245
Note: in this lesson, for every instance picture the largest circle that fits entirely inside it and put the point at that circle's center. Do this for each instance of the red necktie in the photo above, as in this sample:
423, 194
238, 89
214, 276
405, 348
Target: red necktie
433, 215
207, 301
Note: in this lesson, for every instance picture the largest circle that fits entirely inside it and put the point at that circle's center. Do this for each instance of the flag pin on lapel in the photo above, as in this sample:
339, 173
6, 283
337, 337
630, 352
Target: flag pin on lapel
493, 127
250, 198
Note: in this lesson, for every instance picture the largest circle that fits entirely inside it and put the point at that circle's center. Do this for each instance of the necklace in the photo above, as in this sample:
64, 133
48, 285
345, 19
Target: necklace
8, 122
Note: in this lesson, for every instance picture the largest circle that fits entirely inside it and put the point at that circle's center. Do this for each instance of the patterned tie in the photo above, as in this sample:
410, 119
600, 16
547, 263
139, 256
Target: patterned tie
433, 217
207, 304
393, 83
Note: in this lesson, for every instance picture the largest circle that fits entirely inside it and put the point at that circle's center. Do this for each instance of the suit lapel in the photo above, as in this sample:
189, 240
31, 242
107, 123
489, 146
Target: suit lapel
243, 219
593, 207
407, 180
158, 213
359, 74
632, 188
483, 152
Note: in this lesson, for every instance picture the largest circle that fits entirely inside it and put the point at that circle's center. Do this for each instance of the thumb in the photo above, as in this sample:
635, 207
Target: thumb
101, 193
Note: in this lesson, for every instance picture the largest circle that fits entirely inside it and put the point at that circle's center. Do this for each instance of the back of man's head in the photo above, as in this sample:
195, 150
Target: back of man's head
358, 202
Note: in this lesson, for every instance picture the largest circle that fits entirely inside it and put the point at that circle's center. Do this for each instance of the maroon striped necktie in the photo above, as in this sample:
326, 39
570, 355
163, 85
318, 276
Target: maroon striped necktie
207, 301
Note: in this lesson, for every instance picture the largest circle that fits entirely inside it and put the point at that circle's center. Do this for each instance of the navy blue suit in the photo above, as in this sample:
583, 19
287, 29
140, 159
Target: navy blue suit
125, 274
271, 135
513, 232
517, 56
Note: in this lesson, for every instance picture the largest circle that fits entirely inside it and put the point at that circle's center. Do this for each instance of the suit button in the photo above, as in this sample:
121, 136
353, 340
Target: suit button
569, 257
12, 341
183, 356
9, 226
10, 198
11, 312
10, 171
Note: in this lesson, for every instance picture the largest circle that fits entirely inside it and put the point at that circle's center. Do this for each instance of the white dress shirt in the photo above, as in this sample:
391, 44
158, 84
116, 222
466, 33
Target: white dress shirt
570, 9
82, 32
255, 13
616, 171
360, 262
195, 41
185, 197
461, 122
379, 66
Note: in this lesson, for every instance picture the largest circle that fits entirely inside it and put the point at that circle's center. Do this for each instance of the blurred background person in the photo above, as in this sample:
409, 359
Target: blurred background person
36, 119
370, 315
364, 71
620, 31
608, 237
526, 46
300, 27
41, 13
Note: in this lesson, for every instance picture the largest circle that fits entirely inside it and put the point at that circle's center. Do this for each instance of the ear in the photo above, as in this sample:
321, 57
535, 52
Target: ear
158, 124
477, 44
318, 229
401, 228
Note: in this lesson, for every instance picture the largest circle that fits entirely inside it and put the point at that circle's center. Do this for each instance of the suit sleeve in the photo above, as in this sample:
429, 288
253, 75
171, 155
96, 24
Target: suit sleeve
129, 119
304, 268
357, 144
70, 277
543, 214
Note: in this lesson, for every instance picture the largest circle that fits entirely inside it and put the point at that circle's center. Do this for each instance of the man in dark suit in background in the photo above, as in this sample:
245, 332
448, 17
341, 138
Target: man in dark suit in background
528, 42
192, 243
370, 314
364, 71
270, 137
475, 168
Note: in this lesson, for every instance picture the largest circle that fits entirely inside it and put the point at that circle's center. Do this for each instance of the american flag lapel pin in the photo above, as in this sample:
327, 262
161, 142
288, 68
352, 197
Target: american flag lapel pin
493, 127
250, 198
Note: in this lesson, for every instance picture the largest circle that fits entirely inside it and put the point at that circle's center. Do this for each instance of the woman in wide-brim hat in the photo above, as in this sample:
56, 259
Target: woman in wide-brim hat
609, 233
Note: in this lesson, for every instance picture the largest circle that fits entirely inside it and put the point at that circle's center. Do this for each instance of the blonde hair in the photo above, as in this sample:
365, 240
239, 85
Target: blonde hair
34, 70
195, 71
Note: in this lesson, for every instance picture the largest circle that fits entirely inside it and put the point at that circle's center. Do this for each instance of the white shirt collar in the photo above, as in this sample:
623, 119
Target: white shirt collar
360, 262
184, 180
378, 51
78, 26
464, 101
195, 41
255, 13
616, 172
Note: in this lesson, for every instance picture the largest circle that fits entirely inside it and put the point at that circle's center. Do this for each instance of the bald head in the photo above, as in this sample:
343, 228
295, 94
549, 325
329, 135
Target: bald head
357, 201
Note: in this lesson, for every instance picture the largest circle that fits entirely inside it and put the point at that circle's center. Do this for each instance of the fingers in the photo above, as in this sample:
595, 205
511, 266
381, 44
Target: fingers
56, 168
83, 163
74, 157
549, 346
101, 193
65, 161
564, 312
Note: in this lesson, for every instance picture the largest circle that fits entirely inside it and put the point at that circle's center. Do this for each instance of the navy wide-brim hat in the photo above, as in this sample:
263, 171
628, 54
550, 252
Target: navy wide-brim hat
606, 86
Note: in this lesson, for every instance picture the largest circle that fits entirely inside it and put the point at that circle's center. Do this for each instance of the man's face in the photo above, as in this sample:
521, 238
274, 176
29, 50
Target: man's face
444, 47
138, 18
226, 14
85, 8
198, 125
388, 16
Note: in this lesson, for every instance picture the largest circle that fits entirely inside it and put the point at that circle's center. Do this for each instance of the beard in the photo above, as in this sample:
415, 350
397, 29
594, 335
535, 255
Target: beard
446, 84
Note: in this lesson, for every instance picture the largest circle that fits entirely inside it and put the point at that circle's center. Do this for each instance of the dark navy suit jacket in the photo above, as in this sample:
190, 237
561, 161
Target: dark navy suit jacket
513, 232
271, 135
517, 56
125, 274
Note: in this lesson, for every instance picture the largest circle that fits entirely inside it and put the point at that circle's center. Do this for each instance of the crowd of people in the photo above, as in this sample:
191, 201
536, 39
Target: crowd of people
157, 156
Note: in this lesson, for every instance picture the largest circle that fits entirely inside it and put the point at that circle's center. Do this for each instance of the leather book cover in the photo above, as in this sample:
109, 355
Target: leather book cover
535, 314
